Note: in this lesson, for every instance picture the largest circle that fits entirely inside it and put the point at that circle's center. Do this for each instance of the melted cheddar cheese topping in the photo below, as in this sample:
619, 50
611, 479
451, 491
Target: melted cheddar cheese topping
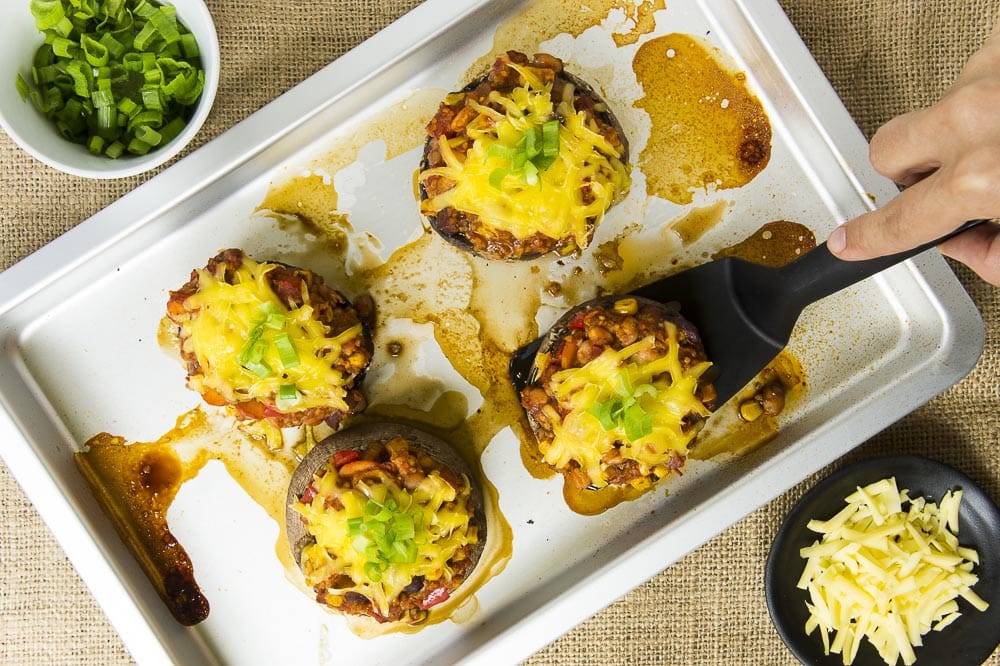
555, 206
445, 527
580, 435
223, 316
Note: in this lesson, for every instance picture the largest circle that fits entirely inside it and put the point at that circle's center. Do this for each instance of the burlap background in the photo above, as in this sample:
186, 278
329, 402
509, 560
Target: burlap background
883, 57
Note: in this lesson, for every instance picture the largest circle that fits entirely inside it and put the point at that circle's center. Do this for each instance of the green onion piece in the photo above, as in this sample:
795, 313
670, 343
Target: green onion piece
147, 134
22, 86
189, 46
48, 13
146, 35
115, 48
251, 341
637, 422
497, 176
286, 350
355, 526
602, 411
402, 527
128, 107
288, 396
63, 47
501, 151
257, 351
530, 175
115, 150
95, 145
531, 140
259, 368
164, 20
373, 571
275, 320
101, 98
550, 138
94, 51
107, 122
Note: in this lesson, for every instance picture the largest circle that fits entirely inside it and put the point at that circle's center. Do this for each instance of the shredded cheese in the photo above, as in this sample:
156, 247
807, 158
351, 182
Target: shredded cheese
445, 529
887, 569
224, 314
556, 205
580, 436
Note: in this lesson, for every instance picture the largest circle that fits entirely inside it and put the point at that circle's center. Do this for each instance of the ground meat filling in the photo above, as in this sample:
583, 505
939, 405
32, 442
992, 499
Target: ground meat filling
584, 338
399, 463
330, 307
467, 230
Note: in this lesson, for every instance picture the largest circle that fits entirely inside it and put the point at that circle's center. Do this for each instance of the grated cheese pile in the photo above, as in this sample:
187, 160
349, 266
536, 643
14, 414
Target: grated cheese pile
888, 568
555, 205
225, 316
579, 434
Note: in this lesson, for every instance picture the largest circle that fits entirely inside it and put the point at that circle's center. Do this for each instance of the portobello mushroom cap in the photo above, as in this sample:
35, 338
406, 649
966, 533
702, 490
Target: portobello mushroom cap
365, 439
482, 237
581, 334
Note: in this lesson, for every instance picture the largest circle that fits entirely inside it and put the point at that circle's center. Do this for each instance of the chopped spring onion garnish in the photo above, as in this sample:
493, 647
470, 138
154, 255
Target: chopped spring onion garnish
114, 75
286, 350
288, 396
251, 356
534, 152
386, 535
624, 410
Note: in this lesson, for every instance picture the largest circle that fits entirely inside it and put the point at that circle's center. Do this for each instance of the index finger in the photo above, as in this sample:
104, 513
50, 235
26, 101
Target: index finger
918, 215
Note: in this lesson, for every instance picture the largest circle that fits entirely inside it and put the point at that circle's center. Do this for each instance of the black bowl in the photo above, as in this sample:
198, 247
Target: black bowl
967, 641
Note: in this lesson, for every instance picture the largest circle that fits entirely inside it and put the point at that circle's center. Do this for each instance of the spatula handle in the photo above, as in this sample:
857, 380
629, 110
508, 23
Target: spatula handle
819, 273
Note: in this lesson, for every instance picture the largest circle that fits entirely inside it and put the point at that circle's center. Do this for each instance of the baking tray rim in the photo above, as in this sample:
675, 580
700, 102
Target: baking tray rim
182, 180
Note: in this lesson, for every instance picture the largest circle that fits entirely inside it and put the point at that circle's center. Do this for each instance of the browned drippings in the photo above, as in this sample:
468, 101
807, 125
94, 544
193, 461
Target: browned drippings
708, 131
135, 485
542, 20
774, 244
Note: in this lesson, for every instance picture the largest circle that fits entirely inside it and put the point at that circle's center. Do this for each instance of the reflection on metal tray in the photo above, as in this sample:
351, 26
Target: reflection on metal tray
78, 320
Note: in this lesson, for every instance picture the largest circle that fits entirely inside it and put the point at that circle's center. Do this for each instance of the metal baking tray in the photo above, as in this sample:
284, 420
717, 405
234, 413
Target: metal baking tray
78, 329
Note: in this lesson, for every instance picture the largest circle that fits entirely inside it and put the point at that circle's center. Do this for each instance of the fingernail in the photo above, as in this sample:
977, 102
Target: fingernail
837, 240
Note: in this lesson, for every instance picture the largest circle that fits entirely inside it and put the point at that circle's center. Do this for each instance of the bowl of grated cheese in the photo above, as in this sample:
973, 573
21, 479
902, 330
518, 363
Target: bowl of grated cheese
892, 560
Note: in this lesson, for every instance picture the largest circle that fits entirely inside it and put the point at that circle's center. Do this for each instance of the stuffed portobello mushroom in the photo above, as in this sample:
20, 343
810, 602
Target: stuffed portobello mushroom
271, 341
522, 162
385, 522
617, 393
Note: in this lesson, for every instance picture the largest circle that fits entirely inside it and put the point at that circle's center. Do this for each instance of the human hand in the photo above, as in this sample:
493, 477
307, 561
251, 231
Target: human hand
947, 157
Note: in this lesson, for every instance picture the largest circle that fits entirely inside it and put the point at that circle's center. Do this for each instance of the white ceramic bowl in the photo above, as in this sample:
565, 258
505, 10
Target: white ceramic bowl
19, 39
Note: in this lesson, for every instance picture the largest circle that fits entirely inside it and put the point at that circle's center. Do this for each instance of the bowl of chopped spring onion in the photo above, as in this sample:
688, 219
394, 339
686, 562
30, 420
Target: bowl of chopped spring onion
107, 88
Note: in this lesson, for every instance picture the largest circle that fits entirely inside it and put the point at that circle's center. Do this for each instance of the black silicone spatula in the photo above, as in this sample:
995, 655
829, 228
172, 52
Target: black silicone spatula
745, 312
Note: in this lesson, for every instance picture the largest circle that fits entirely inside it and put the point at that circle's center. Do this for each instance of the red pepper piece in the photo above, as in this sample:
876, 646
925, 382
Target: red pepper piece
341, 458
576, 323
308, 494
435, 597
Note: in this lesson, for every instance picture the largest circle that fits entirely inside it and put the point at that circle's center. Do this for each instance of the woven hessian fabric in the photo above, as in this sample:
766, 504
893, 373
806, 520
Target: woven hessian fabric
883, 57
